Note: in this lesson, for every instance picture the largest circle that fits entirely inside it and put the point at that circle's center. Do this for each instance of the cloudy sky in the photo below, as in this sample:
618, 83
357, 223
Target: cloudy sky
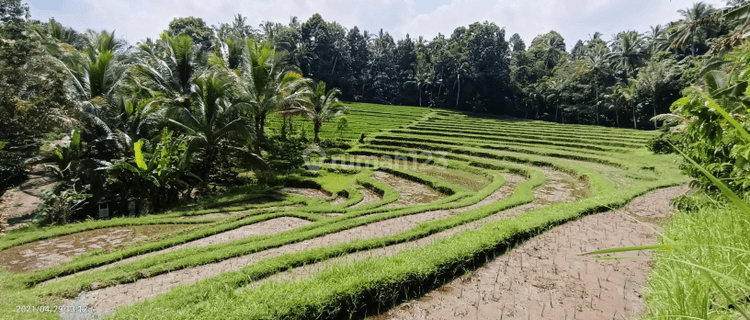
574, 19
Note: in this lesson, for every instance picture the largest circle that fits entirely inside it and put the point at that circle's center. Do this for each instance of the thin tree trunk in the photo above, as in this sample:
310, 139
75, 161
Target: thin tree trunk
596, 100
458, 93
316, 127
283, 127
258, 135
617, 117
420, 95
562, 115
635, 124
655, 126
557, 110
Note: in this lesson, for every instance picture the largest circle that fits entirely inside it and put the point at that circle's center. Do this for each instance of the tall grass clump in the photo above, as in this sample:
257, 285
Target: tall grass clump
718, 240
702, 260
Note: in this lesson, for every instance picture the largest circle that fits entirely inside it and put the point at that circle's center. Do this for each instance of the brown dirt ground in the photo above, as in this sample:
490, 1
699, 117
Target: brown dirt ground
409, 192
552, 191
307, 192
339, 200
369, 197
17, 205
235, 213
56, 251
268, 227
108, 299
547, 278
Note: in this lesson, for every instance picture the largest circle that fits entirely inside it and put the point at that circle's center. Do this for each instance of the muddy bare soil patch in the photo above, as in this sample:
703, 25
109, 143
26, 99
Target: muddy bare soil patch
56, 251
108, 299
307, 192
268, 227
543, 196
228, 214
369, 196
17, 205
547, 278
409, 192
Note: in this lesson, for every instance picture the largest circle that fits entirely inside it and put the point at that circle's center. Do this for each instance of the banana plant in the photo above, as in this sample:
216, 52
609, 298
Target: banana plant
67, 157
154, 173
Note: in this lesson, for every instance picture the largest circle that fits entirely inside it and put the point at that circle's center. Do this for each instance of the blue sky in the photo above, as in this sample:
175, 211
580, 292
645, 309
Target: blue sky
574, 19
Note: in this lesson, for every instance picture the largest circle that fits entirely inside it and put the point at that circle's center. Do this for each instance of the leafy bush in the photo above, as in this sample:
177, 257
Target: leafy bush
661, 144
57, 209
334, 144
285, 155
714, 135
153, 176
67, 156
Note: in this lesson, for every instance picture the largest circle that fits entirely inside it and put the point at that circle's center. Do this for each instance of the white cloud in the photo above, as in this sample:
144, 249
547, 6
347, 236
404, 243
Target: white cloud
574, 19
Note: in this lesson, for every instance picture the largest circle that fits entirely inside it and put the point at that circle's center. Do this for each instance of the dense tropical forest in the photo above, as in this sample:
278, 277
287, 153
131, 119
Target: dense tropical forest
308, 170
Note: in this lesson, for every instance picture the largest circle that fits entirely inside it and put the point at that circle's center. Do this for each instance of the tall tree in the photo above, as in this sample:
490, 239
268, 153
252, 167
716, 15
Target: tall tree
595, 65
489, 57
658, 38
32, 86
516, 43
168, 66
406, 67
214, 115
578, 50
359, 52
322, 107
13, 11
193, 27
628, 52
268, 82
660, 79
691, 30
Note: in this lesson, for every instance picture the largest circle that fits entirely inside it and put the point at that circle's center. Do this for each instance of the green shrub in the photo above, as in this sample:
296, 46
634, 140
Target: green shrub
661, 144
285, 155
58, 208
334, 144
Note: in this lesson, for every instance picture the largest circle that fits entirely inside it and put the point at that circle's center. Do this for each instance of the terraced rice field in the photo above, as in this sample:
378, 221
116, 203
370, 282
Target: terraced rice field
363, 118
438, 215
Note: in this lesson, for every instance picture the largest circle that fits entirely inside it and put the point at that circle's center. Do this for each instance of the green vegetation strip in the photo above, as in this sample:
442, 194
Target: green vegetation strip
543, 125
445, 133
491, 144
580, 141
631, 137
477, 149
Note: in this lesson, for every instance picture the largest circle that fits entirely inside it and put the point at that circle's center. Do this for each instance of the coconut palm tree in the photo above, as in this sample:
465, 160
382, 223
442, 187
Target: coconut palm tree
268, 82
215, 115
658, 38
551, 54
628, 52
323, 106
421, 80
655, 77
626, 98
595, 64
691, 30
461, 71
168, 66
